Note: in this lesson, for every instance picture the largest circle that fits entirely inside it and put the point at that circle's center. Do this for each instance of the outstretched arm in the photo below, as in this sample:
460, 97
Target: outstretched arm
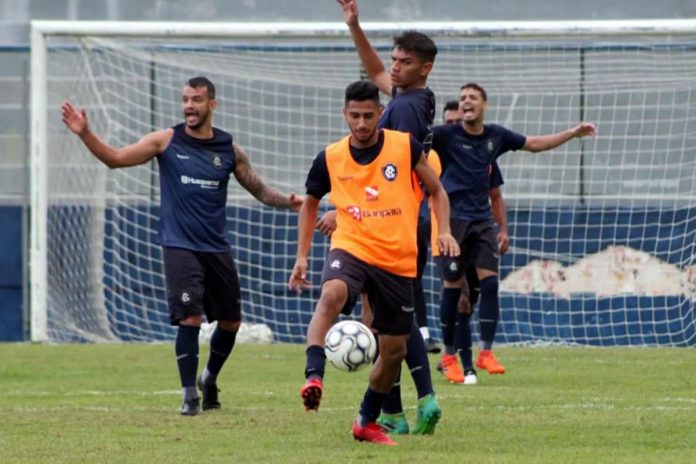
547, 142
371, 61
247, 178
441, 207
500, 216
305, 228
132, 155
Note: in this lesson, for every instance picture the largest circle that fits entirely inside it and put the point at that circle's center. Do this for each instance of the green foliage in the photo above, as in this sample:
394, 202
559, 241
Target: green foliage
119, 404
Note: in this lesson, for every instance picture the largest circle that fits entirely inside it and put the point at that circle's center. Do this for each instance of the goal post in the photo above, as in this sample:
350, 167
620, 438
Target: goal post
602, 231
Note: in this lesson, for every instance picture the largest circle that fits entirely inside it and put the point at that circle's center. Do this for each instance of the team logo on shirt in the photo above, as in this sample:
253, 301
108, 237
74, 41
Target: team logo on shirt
389, 172
453, 266
216, 160
489, 145
335, 264
371, 193
185, 298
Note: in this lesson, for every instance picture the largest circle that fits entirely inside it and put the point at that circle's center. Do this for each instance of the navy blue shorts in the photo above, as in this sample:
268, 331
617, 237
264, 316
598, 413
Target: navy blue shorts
201, 283
390, 295
479, 247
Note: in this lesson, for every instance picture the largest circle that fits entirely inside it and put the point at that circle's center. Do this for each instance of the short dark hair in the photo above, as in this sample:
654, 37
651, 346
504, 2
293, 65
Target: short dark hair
452, 105
361, 91
201, 81
418, 43
475, 86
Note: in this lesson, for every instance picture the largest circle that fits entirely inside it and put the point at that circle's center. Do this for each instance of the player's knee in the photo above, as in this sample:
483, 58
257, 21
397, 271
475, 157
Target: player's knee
332, 299
464, 305
392, 353
229, 326
192, 321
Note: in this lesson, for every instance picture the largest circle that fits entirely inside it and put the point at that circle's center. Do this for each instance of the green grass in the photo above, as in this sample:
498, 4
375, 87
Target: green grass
119, 404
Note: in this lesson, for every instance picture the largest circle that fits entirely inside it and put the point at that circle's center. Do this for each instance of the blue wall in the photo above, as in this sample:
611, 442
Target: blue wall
11, 273
266, 239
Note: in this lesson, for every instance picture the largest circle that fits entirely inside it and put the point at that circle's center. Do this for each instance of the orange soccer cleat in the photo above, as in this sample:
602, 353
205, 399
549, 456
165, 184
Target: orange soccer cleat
487, 360
450, 368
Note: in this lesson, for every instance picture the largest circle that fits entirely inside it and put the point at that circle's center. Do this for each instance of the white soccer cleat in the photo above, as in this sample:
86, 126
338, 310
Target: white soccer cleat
470, 377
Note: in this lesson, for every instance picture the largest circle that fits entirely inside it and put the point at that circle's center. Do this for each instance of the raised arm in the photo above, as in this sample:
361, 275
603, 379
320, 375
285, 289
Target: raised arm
441, 207
305, 228
500, 216
539, 143
371, 61
132, 155
247, 178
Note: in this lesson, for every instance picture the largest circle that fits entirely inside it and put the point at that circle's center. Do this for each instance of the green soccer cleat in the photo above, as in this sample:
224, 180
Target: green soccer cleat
429, 414
393, 423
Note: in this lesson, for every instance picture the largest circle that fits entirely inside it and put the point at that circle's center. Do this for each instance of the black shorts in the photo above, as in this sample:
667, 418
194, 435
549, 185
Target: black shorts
479, 247
201, 283
390, 295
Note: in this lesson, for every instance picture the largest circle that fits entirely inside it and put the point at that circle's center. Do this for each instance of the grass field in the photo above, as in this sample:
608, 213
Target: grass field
119, 404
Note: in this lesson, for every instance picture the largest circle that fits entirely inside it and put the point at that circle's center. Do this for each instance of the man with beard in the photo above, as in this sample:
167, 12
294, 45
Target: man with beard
195, 161
369, 176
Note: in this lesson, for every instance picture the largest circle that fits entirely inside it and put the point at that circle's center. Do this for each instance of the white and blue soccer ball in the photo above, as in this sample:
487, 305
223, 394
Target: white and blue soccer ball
349, 345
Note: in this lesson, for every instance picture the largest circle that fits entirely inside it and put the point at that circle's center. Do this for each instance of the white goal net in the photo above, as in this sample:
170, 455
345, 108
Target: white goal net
602, 231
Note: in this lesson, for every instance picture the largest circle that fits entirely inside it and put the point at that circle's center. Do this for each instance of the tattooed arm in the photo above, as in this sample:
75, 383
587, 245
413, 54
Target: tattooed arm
247, 178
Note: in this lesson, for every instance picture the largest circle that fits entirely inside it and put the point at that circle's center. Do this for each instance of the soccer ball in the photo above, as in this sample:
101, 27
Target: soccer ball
349, 346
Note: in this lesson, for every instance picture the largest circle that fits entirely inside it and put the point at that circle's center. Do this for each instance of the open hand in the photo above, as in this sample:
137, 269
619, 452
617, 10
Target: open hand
448, 245
350, 11
75, 120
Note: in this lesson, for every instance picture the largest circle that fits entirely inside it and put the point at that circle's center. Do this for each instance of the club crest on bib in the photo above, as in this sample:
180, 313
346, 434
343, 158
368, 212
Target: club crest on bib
216, 160
489, 145
335, 264
185, 298
389, 172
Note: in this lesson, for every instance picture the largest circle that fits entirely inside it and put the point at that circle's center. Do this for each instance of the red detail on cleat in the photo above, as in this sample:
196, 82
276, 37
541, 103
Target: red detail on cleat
311, 394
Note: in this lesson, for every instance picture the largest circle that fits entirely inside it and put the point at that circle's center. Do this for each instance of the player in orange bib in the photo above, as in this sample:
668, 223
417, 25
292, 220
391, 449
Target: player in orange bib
369, 178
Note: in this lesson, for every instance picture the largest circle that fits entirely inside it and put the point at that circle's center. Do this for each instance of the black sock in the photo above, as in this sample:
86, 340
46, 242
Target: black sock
463, 340
392, 402
418, 364
316, 361
488, 310
186, 349
370, 406
221, 344
448, 313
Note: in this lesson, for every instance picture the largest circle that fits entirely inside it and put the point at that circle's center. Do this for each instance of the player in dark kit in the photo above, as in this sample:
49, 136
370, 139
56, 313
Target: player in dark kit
369, 176
195, 161
412, 110
467, 152
449, 366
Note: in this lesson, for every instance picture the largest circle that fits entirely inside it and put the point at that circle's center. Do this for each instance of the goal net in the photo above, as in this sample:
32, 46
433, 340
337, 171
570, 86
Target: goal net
602, 230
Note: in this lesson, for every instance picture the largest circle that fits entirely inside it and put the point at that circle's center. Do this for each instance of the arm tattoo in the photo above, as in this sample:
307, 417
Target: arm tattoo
248, 179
